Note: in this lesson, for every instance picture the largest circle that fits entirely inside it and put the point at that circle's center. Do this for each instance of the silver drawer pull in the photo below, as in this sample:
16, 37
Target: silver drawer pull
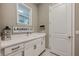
41, 43
34, 46
15, 48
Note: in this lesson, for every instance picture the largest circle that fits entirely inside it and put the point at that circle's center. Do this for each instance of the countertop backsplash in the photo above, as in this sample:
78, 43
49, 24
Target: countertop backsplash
15, 30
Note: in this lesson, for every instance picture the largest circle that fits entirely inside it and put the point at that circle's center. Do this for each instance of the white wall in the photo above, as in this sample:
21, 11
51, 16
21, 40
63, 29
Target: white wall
9, 14
77, 16
44, 19
0, 30
0, 18
77, 29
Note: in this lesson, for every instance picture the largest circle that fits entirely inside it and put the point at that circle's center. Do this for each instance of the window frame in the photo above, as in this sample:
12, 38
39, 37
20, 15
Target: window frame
30, 17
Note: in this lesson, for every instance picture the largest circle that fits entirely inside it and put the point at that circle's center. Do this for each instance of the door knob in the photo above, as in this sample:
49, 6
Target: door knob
69, 37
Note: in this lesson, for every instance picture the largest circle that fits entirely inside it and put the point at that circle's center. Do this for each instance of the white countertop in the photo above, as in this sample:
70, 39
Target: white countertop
20, 38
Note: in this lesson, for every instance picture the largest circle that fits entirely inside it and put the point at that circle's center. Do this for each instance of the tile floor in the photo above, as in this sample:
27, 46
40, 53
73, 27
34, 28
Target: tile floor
48, 53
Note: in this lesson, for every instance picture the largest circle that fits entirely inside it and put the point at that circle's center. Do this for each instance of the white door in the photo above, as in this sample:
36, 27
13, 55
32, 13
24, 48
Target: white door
60, 29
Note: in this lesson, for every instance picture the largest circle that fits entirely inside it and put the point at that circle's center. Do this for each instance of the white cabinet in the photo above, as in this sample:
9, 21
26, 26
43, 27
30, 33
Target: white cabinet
13, 50
35, 47
32, 47
29, 49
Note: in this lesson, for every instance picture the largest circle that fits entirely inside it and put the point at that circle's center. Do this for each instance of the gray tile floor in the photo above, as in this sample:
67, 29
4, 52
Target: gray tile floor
47, 53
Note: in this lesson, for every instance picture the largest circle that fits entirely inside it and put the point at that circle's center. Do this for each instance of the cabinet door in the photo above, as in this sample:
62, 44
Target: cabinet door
29, 51
29, 48
33, 48
43, 43
38, 46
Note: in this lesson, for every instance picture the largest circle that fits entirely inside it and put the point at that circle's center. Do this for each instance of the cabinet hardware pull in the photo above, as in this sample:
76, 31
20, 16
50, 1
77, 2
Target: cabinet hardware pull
41, 43
15, 48
34, 46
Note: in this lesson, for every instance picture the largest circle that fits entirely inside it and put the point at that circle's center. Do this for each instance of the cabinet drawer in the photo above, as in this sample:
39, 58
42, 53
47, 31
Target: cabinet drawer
17, 53
12, 49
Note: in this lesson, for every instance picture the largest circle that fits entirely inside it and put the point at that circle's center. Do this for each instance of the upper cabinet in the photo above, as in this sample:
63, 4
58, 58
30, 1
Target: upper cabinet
24, 14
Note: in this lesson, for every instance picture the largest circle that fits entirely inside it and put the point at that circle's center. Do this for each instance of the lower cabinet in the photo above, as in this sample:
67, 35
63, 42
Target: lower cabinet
29, 48
35, 47
32, 48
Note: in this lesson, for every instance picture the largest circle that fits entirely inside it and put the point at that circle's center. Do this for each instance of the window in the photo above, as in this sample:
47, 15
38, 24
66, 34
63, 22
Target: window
24, 14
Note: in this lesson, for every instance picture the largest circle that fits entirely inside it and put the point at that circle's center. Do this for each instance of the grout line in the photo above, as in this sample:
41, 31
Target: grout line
54, 54
42, 52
